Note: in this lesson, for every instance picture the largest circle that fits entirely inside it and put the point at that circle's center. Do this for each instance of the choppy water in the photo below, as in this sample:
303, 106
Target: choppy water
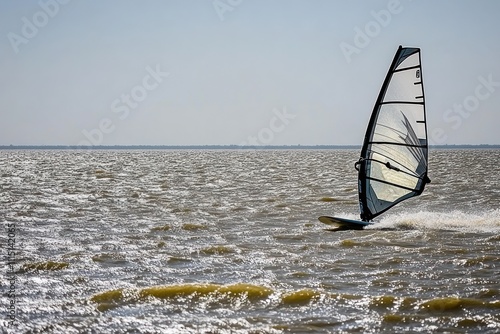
229, 242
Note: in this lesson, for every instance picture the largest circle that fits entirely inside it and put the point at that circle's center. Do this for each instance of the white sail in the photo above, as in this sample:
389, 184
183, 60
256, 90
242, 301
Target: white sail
393, 162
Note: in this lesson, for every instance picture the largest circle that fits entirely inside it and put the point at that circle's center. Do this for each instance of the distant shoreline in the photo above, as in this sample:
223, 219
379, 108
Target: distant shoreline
220, 147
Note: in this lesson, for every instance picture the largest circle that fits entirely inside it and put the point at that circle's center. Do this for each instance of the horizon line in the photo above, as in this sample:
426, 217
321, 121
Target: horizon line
229, 146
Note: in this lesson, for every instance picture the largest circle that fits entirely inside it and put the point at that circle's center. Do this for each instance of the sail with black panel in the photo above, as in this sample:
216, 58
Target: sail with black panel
393, 163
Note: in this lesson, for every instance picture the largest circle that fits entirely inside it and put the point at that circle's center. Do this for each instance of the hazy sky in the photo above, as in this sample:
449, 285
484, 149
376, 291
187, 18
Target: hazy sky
279, 72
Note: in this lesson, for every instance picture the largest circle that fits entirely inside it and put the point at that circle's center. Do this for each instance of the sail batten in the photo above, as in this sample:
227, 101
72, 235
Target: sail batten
394, 157
407, 68
402, 102
401, 144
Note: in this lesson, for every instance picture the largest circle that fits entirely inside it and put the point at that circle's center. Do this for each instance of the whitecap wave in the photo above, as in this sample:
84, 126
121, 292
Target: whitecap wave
485, 221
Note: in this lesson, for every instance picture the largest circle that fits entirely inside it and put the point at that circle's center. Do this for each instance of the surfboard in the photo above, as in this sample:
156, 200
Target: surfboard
343, 223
